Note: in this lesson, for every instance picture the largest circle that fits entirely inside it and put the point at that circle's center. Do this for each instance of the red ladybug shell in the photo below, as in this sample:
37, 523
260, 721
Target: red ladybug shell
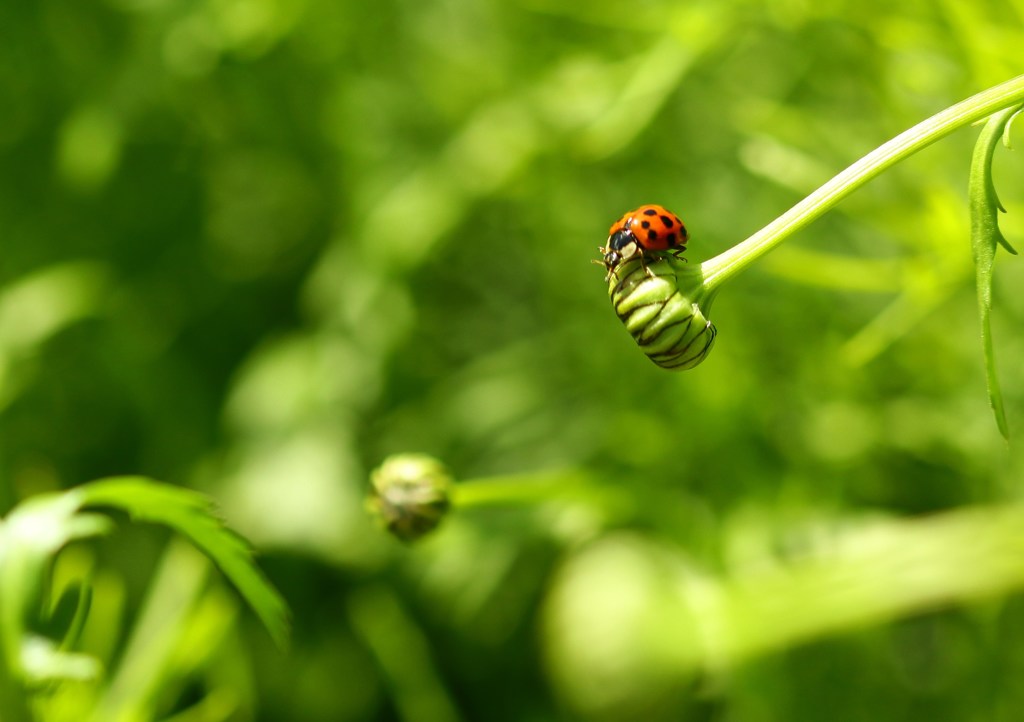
653, 227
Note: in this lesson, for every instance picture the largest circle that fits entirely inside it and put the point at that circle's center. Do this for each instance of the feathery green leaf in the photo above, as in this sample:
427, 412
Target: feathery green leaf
191, 514
985, 236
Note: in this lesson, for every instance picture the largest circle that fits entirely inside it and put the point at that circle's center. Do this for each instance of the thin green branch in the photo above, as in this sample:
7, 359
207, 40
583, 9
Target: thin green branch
525, 488
717, 270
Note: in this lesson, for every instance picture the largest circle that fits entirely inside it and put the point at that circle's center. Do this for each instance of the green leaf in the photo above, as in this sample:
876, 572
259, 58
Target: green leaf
192, 515
68, 614
29, 537
985, 236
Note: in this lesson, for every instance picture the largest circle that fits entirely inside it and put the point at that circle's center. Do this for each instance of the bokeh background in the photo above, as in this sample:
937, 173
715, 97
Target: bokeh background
256, 246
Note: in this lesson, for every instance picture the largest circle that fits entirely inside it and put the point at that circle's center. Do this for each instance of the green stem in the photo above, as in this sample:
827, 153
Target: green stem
722, 267
516, 489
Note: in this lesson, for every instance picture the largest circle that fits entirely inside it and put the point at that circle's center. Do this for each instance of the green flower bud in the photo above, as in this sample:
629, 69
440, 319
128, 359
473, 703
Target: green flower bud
410, 495
662, 303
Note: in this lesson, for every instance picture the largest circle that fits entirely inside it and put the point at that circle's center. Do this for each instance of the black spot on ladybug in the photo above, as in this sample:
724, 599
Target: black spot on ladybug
667, 221
650, 212
652, 235
645, 224
671, 238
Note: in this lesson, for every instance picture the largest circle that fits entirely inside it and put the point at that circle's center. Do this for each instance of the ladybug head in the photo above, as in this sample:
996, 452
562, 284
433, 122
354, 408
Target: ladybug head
621, 247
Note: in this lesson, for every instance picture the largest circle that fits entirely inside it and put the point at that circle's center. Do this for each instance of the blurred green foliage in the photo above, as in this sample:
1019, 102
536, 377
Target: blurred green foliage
256, 246
47, 607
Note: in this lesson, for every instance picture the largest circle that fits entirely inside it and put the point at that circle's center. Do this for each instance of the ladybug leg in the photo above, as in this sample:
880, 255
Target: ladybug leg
643, 263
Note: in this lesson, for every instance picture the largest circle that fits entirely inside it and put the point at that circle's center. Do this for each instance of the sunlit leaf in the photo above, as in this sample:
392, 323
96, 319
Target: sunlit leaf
29, 537
44, 662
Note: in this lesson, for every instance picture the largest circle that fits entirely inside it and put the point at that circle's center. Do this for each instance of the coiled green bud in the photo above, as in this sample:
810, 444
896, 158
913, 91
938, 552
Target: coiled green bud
662, 303
411, 494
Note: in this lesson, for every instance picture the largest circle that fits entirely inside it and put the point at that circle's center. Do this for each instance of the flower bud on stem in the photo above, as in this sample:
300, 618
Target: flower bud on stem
664, 304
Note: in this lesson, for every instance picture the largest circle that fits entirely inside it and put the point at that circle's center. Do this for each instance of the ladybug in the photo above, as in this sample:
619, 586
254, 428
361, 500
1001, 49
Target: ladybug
647, 228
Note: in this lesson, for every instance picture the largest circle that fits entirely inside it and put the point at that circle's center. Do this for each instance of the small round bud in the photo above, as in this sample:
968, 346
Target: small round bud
411, 493
661, 305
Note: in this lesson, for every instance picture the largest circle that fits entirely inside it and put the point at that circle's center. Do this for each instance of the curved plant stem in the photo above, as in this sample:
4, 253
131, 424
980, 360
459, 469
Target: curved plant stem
719, 269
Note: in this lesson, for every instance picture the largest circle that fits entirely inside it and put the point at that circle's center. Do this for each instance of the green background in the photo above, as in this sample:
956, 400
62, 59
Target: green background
256, 246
